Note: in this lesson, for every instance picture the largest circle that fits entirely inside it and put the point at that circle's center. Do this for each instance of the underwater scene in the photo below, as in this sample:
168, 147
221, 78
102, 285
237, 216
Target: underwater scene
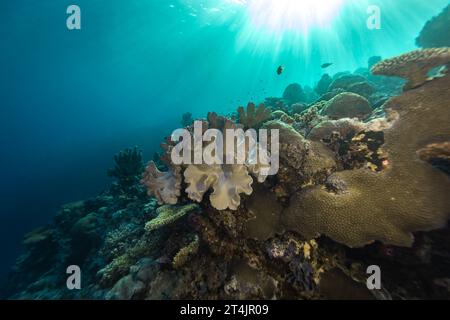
225, 150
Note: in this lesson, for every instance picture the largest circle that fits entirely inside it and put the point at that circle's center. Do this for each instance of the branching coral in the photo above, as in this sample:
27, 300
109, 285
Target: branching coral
408, 196
231, 182
253, 117
413, 66
168, 214
186, 253
343, 127
165, 186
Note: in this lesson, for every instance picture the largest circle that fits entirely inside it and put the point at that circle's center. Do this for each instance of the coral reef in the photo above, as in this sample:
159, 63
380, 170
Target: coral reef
294, 94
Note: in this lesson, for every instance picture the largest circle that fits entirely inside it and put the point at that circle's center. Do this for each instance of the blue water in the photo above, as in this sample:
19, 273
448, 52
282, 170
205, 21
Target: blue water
71, 99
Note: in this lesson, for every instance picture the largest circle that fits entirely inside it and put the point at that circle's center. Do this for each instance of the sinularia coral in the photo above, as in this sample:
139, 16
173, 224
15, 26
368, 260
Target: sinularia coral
344, 127
164, 186
413, 66
408, 196
168, 214
227, 181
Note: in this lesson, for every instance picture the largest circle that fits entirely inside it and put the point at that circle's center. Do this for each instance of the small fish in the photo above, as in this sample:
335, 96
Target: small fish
326, 65
280, 70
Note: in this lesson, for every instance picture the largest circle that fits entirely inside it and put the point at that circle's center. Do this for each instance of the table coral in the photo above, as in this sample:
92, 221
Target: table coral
413, 66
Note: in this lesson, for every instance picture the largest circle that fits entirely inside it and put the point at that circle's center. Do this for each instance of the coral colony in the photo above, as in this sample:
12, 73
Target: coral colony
280, 200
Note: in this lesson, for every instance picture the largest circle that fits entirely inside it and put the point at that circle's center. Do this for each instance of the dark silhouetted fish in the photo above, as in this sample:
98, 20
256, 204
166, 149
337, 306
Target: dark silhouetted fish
280, 70
326, 65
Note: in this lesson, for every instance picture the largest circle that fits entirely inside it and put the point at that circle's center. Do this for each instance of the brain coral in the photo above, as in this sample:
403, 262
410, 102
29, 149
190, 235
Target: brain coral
408, 196
348, 105
413, 66
165, 186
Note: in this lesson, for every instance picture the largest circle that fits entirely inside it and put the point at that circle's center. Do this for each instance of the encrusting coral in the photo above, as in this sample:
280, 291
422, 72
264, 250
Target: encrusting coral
165, 186
407, 196
413, 66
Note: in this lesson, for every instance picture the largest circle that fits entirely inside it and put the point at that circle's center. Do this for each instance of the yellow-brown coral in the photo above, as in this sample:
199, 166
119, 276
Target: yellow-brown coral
185, 253
413, 66
168, 214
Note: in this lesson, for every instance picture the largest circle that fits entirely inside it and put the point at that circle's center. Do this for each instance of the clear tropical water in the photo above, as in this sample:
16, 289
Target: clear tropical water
71, 99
